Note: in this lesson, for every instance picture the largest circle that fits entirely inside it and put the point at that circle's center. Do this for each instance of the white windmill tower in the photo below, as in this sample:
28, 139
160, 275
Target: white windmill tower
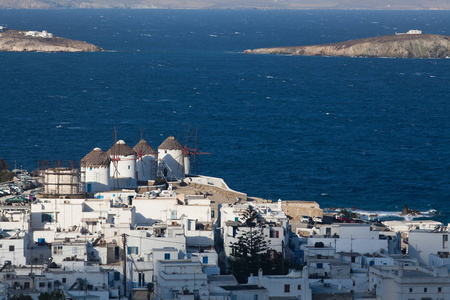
123, 165
171, 160
146, 161
96, 169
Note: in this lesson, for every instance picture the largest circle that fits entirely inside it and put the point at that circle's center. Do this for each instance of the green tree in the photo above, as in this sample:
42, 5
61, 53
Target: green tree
55, 295
5, 175
249, 253
20, 297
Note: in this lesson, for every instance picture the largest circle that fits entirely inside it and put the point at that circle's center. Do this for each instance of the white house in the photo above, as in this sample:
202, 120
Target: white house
294, 285
358, 238
422, 243
409, 282
180, 277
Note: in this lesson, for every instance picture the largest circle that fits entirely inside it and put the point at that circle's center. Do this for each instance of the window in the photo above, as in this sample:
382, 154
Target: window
57, 250
129, 167
353, 259
255, 297
212, 213
11, 248
166, 256
439, 290
41, 284
46, 218
287, 288
410, 290
26, 285
299, 287
205, 259
319, 266
133, 250
425, 290
64, 280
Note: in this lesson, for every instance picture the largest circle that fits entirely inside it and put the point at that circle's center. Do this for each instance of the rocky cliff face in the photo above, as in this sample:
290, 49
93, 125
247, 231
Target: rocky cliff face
17, 41
404, 45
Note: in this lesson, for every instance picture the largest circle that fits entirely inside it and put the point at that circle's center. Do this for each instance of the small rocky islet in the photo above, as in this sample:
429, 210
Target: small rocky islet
34, 41
416, 45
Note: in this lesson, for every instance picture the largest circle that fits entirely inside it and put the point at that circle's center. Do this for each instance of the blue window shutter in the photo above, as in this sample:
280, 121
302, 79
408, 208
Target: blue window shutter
49, 218
205, 259
137, 250
43, 217
129, 250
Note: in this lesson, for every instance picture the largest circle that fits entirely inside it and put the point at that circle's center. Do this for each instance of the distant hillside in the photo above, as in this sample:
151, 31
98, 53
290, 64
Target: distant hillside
232, 4
404, 45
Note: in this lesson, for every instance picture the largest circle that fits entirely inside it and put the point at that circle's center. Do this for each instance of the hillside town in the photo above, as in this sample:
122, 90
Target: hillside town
134, 223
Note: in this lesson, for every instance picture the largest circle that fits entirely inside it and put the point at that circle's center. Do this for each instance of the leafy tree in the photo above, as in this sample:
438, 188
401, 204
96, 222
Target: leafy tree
20, 297
3, 165
249, 253
5, 175
55, 295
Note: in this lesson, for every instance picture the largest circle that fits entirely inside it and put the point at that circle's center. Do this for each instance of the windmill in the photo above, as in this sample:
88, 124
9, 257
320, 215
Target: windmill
123, 160
191, 154
146, 160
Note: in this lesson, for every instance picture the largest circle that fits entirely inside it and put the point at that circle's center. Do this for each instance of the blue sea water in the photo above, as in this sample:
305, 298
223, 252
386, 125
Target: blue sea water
371, 133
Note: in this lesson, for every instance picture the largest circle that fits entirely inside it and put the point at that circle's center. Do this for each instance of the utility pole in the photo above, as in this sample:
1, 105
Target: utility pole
124, 261
282, 257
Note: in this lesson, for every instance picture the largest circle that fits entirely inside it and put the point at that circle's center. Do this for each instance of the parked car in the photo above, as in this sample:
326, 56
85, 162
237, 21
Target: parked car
344, 219
317, 219
304, 219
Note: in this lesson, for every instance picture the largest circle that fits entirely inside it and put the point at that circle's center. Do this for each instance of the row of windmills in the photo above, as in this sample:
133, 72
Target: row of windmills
122, 166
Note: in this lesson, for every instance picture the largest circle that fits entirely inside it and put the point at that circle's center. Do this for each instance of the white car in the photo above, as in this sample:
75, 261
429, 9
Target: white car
317, 219
304, 219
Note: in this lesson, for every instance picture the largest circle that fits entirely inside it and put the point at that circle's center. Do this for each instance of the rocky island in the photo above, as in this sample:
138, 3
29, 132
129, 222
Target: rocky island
413, 44
34, 41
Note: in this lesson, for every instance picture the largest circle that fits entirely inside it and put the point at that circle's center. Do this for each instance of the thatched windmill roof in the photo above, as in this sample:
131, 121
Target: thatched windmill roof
120, 148
170, 144
95, 159
143, 148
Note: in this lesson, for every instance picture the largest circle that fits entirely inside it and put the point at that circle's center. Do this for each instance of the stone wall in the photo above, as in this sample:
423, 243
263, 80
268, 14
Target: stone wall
295, 209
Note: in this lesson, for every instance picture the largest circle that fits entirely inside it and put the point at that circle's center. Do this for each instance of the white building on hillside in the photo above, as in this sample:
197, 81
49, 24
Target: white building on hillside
423, 243
358, 238
273, 223
409, 282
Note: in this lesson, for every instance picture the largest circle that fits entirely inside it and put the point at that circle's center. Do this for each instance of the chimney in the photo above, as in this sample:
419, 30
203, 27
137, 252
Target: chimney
400, 269
260, 277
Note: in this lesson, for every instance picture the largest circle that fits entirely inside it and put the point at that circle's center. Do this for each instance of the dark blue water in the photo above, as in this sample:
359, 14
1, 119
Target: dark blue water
367, 132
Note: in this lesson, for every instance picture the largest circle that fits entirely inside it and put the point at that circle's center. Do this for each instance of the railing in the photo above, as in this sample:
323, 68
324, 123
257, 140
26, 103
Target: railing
139, 285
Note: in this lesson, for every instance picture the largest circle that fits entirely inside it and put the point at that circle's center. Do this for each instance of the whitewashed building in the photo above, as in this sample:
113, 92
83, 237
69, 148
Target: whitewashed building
423, 243
95, 170
274, 224
294, 285
146, 161
123, 165
171, 160
409, 282
358, 238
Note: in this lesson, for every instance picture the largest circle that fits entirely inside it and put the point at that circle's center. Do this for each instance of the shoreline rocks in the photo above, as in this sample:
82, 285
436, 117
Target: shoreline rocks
400, 46
18, 41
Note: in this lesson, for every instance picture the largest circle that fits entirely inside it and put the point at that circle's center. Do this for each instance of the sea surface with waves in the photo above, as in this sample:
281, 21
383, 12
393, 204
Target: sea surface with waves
372, 133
